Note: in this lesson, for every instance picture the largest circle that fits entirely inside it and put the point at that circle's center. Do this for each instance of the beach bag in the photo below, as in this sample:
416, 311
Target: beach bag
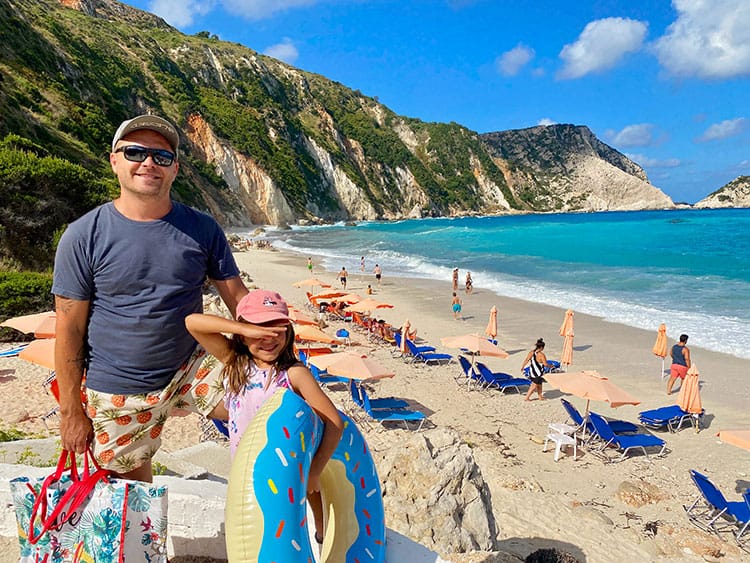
89, 517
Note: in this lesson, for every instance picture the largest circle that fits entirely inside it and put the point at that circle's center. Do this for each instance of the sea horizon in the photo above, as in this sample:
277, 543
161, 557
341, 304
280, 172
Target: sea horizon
687, 268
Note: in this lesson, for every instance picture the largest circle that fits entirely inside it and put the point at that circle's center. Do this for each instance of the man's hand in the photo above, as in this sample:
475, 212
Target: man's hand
76, 432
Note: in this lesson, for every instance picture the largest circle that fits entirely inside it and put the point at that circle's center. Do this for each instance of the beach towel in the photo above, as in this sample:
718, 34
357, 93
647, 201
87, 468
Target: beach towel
89, 516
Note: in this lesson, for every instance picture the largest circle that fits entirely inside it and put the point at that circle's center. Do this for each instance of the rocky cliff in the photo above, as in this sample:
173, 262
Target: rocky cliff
267, 143
566, 168
734, 194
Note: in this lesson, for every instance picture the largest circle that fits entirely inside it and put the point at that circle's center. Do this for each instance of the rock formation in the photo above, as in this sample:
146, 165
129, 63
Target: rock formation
734, 194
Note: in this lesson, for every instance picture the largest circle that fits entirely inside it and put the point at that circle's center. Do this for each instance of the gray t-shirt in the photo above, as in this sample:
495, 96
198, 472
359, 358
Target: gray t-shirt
142, 279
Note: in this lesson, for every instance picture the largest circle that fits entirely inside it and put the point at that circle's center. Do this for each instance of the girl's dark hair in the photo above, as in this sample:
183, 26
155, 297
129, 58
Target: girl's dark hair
540, 343
236, 368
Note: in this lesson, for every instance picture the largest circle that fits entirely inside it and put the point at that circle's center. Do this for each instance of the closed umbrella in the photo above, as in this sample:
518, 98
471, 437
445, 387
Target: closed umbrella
660, 347
690, 395
41, 325
739, 438
404, 335
491, 329
592, 386
566, 357
567, 323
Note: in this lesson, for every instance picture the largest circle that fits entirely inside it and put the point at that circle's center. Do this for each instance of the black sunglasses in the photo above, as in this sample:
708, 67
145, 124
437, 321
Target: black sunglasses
134, 153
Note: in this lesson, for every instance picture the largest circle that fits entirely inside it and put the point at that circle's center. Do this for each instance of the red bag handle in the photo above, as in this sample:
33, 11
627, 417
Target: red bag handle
80, 488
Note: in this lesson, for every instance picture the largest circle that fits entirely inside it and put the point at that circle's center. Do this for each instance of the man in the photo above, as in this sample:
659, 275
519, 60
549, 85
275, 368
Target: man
680, 362
126, 275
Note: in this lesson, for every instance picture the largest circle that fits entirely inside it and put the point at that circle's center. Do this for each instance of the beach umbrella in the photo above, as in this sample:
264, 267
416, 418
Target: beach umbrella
474, 344
41, 325
348, 298
311, 282
739, 438
566, 357
592, 386
660, 347
352, 366
367, 305
300, 318
491, 329
309, 333
567, 323
40, 352
689, 399
404, 336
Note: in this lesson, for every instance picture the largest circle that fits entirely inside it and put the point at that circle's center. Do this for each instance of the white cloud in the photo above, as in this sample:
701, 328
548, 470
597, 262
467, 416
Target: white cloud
546, 121
744, 164
709, 39
259, 9
284, 51
180, 13
638, 135
643, 160
601, 45
724, 129
511, 62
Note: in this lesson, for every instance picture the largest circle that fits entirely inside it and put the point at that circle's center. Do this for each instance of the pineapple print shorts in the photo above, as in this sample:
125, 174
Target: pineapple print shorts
127, 428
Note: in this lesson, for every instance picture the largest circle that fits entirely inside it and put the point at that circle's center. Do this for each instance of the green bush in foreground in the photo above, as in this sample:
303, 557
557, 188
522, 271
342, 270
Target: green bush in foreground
23, 293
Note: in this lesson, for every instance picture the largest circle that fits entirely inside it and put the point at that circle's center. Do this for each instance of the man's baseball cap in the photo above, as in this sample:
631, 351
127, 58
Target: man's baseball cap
261, 306
152, 123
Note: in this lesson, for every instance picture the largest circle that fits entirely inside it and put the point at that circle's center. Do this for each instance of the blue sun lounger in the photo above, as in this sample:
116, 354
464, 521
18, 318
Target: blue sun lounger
499, 380
391, 415
624, 442
10, 352
671, 418
617, 426
711, 509
427, 357
378, 403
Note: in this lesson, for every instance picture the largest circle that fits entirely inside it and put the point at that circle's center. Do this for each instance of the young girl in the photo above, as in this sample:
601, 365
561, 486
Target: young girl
259, 360
536, 360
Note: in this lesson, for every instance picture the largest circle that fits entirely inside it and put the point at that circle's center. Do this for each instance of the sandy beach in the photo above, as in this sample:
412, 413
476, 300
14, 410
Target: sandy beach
577, 506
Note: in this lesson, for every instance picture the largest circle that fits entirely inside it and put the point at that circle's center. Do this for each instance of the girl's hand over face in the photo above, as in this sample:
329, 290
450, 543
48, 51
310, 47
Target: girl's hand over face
258, 331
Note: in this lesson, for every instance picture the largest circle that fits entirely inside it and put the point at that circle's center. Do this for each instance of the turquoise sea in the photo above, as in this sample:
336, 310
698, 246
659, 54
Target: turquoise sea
689, 269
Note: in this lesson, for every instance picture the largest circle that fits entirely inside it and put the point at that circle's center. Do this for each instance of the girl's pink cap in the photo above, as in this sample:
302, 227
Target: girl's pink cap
261, 306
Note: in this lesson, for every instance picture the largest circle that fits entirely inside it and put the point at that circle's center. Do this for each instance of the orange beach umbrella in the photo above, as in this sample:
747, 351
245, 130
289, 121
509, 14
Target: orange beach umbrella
566, 357
491, 329
41, 325
311, 282
475, 344
660, 346
351, 365
567, 323
300, 318
739, 438
309, 333
590, 385
690, 395
40, 352
404, 336
367, 305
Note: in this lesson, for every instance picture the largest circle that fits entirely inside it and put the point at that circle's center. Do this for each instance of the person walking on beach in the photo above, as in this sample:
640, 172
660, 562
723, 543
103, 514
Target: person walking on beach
456, 305
469, 284
362, 264
126, 275
680, 362
256, 367
310, 265
536, 360
378, 273
455, 279
342, 277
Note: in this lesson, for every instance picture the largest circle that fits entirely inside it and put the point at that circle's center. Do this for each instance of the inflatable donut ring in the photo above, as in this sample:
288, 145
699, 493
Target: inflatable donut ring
266, 512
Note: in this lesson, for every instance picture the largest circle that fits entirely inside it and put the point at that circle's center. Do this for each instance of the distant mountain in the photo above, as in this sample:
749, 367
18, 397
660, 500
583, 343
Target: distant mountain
266, 143
566, 168
734, 194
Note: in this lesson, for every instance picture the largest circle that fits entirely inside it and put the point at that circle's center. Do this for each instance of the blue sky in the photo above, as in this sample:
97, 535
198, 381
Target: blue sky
665, 83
